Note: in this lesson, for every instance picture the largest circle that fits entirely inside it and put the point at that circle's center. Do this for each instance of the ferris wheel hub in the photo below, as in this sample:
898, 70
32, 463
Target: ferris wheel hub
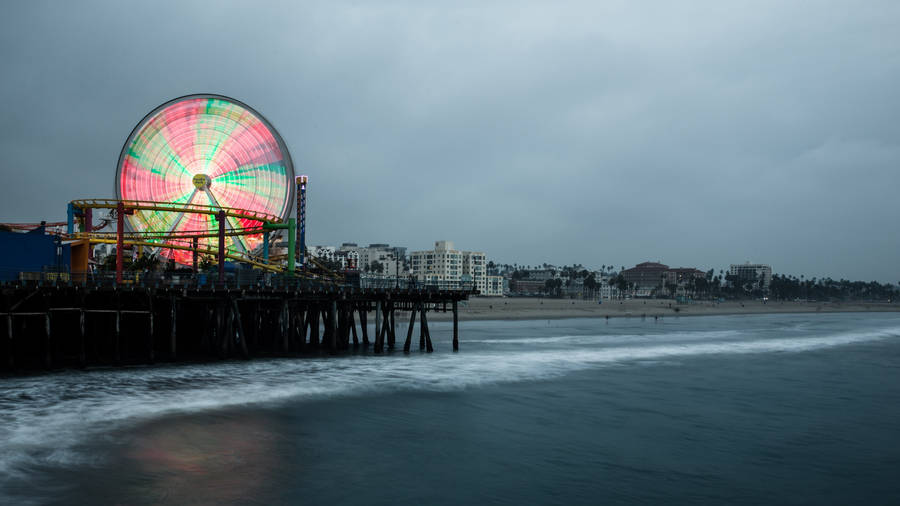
202, 182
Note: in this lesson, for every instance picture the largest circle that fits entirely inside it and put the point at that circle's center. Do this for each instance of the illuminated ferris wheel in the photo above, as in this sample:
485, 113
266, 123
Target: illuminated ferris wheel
204, 150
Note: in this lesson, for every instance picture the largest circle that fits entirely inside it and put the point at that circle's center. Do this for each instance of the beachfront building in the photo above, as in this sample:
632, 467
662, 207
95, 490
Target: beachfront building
526, 286
645, 277
573, 288
347, 259
448, 268
648, 278
748, 272
543, 274
322, 252
493, 286
608, 291
681, 276
383, 258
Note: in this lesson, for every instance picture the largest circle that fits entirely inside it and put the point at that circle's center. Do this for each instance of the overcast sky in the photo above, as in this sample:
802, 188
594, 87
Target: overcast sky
699, 134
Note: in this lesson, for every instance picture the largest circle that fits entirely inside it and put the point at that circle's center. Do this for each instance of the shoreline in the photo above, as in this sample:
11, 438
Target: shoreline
500, 309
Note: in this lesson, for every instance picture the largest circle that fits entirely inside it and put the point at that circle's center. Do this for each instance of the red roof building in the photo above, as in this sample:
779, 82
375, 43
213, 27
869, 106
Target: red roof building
646, 275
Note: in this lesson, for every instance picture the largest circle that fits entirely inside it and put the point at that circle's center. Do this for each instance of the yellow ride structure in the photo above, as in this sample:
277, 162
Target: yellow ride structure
227, 218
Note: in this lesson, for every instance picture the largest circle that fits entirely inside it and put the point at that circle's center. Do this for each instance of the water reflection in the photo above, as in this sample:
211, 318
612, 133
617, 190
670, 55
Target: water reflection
222, 459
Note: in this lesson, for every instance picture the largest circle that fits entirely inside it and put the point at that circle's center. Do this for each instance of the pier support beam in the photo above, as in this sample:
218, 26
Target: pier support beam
409, 332
284, 325
314, 326
239, 327
151, 344
424, 322
377, 321
118, 335
455, 327
381, 309
304, 323
392, 331
363, 325
228, 334
48, 342
221, 337
172, 334
353, 327
82, 356
333, 325
422, 326
10, 360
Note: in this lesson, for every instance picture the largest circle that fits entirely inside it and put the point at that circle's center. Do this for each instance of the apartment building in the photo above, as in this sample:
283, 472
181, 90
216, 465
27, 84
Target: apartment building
752, 272
347, 259
449, 268
494, 286
391, 258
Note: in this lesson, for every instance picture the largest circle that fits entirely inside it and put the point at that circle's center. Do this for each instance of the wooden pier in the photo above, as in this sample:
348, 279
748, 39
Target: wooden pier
51, 326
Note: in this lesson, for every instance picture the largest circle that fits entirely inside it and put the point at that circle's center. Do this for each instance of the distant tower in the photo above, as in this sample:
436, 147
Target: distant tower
301, 219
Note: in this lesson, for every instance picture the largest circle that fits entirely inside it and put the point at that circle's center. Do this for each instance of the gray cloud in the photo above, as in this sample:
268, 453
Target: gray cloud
580, 132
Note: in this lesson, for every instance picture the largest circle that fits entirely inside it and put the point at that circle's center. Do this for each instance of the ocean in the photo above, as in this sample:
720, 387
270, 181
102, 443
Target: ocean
774, 409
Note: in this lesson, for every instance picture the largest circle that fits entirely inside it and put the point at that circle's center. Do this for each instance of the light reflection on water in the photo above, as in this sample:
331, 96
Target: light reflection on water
221, 460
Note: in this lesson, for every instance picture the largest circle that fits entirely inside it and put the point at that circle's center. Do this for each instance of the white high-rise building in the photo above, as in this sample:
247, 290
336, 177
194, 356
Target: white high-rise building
449, 268
754, 272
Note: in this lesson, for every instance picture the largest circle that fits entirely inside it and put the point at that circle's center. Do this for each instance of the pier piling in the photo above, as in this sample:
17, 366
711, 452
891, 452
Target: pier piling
363, 325
409, 332
455, 327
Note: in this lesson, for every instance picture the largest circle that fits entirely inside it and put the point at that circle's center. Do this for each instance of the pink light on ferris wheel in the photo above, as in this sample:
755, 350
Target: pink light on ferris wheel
210, 150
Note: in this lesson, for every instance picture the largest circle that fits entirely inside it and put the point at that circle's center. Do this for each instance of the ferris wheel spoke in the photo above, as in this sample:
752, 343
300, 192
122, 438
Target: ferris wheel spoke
250, 143
156, 220
238, 240
263, 190
178, 218
252, 172
220, 130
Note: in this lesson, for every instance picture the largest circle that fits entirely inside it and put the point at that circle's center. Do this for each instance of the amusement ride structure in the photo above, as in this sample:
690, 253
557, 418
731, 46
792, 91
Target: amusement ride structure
201, 176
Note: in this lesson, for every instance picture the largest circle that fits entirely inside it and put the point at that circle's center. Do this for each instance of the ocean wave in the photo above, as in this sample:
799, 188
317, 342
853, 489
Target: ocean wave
45, 418
615, 338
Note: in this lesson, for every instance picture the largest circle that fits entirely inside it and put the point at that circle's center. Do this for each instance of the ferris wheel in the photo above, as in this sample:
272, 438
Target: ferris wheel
204, 150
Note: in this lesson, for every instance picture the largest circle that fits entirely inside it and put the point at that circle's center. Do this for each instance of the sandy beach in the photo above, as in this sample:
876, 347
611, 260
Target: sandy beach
496, 308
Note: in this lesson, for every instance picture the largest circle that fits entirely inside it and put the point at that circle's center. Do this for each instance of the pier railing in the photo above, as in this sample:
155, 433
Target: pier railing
239, 278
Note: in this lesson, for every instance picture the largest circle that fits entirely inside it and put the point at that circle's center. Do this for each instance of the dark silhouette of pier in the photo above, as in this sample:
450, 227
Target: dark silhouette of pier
51, 325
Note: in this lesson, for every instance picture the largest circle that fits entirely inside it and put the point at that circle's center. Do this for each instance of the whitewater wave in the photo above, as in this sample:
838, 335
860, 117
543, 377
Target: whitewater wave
614, 338
43, 419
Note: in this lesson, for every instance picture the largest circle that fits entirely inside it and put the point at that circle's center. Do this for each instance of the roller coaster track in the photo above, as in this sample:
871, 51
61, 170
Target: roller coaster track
163, 236
182, 240
143, 205
201, 250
